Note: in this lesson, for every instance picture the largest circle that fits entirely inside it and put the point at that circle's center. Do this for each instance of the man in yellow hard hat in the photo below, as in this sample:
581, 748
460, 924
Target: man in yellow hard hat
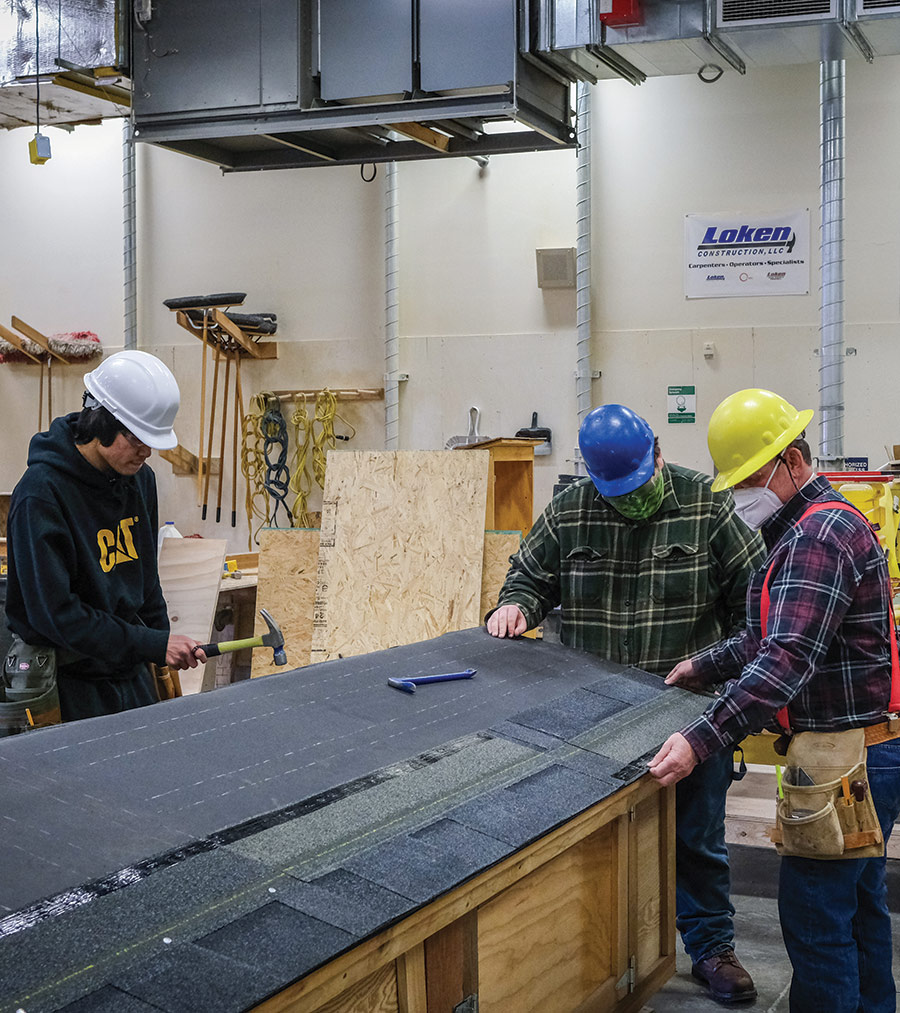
816, 659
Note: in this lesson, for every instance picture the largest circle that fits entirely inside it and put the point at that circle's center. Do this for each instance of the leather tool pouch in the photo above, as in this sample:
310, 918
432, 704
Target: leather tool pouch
827, 811
28, 687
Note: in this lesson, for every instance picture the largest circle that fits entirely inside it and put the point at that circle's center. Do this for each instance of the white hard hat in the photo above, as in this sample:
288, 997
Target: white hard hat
140, 392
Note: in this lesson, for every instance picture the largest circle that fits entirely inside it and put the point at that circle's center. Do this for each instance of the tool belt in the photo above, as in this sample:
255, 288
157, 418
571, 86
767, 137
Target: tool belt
827, 811
29, 697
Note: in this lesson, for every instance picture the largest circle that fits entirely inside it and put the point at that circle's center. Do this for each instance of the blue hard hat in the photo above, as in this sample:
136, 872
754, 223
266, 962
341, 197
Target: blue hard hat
617, 447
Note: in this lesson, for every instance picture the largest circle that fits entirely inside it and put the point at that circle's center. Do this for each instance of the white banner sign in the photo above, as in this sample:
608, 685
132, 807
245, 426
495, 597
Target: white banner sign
739, 255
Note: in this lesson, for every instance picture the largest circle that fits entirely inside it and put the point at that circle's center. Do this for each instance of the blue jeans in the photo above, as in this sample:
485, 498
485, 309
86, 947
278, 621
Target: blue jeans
704, 914
834, 915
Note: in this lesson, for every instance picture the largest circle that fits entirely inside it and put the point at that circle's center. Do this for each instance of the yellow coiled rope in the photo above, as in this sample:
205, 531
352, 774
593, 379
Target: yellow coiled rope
301, 483
314, 438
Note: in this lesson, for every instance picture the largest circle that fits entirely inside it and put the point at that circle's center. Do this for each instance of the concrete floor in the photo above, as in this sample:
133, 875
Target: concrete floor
758, 941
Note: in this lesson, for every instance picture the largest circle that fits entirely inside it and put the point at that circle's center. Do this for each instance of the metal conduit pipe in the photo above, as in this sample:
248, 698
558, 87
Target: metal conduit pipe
391, 309
129, 213
831, 350
583, 256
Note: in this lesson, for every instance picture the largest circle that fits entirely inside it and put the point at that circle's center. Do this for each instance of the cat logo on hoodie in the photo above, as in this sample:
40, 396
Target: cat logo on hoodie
117, 547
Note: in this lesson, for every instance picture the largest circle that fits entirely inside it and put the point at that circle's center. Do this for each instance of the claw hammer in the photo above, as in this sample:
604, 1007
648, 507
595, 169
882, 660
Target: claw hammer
274, 639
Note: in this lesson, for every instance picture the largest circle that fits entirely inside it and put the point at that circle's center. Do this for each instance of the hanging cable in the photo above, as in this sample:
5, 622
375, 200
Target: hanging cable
275, 442
253, 466
37, 65
314, 437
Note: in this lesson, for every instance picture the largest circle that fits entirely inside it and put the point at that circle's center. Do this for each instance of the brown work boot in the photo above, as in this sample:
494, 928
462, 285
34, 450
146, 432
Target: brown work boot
727, 981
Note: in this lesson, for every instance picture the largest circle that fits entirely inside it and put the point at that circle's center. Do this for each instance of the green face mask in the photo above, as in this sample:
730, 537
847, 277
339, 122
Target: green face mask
643, 502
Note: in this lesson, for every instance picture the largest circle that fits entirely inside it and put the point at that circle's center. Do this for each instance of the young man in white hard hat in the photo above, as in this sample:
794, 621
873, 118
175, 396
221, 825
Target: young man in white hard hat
648, 565
82, 540
818, 661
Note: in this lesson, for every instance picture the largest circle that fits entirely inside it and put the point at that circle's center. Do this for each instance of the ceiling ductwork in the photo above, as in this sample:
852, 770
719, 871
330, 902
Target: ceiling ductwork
744, 13
259, 84
81, 61
278, 84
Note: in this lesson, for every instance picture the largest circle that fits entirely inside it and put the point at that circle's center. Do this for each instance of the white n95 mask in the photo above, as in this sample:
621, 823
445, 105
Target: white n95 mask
756, 505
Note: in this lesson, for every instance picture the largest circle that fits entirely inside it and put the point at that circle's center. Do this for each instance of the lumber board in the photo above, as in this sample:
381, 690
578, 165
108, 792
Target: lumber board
286, 587
37, 338
190, 570
17, 342
401, 551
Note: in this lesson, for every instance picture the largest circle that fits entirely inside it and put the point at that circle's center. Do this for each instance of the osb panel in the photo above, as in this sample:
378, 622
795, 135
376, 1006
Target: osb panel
547, 942
498, 547
190, 571
286, 588
400, 557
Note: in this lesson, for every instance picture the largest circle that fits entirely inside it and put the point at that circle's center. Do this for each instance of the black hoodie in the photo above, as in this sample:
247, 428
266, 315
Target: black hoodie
82, 560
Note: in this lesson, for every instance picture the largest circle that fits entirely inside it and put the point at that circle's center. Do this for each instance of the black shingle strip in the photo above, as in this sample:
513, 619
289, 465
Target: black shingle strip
631, 734
455, 839
361, 912
631, 690
360, 893
508, 817
106, 1000
279, 937
602, 768
522, 733
570, 715
414, 868
565, 789
194, 979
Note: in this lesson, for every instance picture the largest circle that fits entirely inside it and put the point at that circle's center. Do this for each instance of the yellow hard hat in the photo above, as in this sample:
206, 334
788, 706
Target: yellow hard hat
748, 430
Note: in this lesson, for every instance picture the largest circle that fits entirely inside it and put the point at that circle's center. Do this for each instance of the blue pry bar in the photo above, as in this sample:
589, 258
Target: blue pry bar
408, 685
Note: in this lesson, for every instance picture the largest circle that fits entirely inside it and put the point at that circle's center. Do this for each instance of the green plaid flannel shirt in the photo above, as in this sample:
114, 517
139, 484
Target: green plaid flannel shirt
645, 593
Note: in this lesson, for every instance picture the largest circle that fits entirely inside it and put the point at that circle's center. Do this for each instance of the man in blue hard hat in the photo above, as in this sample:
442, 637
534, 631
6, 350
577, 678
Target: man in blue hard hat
648, 566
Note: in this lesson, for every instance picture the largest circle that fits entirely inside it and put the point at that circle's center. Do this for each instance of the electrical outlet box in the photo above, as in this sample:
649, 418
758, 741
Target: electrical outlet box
39, 149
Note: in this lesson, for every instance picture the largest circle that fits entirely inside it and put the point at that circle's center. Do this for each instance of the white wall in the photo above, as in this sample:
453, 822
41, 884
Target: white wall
677, 145
475, 329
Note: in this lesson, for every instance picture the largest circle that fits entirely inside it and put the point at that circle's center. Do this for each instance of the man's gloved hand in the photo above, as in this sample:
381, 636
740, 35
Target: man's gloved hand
507, 621
180, 652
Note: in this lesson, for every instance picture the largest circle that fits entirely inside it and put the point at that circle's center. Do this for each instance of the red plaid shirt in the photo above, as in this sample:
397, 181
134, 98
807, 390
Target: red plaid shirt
827, 650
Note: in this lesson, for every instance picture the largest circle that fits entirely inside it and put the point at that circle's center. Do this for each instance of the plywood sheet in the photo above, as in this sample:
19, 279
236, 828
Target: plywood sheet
286, 589
498, 547
190, 570
401, 551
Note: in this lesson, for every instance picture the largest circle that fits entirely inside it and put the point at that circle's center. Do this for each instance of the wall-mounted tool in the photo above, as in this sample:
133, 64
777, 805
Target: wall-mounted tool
274, 639
536, 432
473, 436
408, 685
